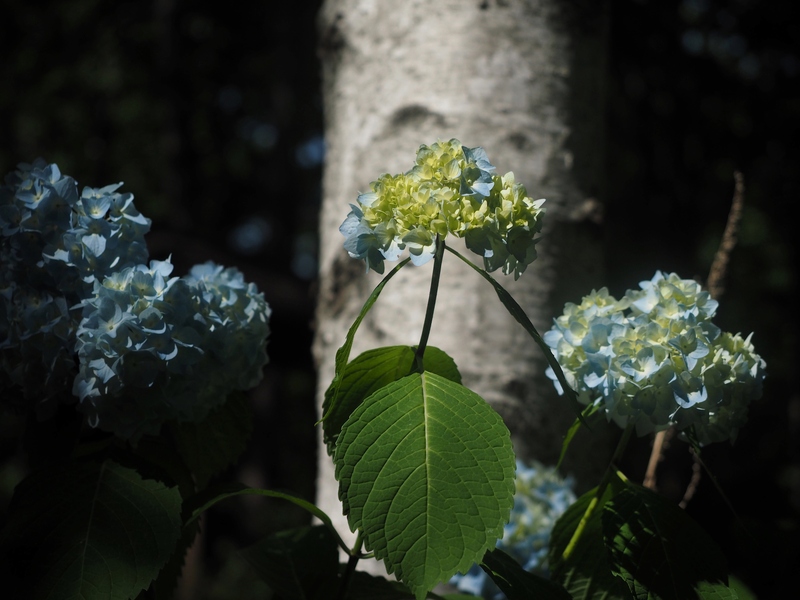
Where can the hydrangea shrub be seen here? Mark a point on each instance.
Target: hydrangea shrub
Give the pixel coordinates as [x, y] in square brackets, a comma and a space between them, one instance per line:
[427, 473]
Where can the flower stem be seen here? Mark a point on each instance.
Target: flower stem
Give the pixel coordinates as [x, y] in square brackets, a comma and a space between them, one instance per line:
[611, 471]
[347, 576]
[426, 327]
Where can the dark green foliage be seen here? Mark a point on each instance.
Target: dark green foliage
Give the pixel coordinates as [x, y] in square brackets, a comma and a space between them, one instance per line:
[89, 530]
[518, 584]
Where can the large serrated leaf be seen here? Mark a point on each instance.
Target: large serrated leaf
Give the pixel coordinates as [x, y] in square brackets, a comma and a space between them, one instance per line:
[426, 473]
[659, 551]
[586, 573]
[369, 372]
[90, 531]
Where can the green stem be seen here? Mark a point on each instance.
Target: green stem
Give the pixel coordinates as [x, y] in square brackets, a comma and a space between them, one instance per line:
[611, 471]
[426, 327]
[355, 556]
[515, 310]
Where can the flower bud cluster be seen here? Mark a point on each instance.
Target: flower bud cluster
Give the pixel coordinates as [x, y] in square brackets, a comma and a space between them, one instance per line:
[55, 244]
[654, 358]
[452, 189]
[154, 348]
[542, 495]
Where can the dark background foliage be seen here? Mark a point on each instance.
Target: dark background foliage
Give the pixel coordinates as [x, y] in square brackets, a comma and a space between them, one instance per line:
[212, 117]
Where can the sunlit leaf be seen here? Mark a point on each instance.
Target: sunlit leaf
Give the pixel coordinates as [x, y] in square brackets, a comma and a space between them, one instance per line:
[426, 472]
[371, 371]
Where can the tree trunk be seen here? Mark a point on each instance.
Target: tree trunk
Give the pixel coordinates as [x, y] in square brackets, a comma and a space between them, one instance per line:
[524, 80]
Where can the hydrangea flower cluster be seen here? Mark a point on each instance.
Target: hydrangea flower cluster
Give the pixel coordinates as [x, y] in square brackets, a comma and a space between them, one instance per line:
[81, 312]
[452, 189]
[154, 348]
[654, 358]
[541, 497]
[55, 244]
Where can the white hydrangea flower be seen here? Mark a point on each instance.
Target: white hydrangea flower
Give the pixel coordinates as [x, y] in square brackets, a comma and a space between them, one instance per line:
[654, 358]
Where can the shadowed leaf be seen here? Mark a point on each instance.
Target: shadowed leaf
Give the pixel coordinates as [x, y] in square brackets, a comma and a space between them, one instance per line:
[90, 531]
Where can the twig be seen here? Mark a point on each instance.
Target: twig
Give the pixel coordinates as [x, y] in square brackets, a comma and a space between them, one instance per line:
[656, 455]
[719, 265]
[694, 482]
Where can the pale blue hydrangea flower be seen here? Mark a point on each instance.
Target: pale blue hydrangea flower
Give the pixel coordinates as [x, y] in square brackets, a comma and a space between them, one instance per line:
[55, 243]
[154, 348]
[655, 358]
[150, 347]
[451, 190]
[540, 498]
[236, 324]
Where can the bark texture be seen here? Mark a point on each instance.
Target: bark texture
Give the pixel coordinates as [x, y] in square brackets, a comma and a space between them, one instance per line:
[521, 78]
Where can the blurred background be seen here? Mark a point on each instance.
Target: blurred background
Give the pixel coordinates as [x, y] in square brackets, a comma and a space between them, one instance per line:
[212, 118]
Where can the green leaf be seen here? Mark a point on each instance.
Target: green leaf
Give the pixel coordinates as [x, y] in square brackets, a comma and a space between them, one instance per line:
[297, 564]
[156, 457]
[200, 503]
[211, 445]
[515, 310]
[371, 371]
[90, 530]
[586, 572]
[369, 587]
[343, 353]
[742, 591]
[658, 550]
[517, 583]
[426, 472]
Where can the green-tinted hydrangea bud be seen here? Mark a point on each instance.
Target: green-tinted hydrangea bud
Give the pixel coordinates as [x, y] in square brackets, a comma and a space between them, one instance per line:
[451, 189]
[655, 359]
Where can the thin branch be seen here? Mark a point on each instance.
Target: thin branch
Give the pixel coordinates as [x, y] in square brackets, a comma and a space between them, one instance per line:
[656, 455]
[719, 265]
[694, 482]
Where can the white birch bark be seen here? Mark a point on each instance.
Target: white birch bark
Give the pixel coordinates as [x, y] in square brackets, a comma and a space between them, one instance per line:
[521, 78]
